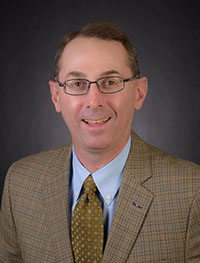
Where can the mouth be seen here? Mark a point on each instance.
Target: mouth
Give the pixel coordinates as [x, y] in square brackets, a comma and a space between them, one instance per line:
[100, 121]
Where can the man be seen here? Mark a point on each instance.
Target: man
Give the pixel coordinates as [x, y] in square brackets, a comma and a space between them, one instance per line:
[150, 200]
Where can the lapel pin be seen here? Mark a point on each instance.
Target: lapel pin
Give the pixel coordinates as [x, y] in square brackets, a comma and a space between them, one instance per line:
[136, 205]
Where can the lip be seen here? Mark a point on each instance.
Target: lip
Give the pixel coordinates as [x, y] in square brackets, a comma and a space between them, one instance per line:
[97, 121]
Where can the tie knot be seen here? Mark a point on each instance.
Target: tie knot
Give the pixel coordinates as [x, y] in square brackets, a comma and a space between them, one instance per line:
[89, 185]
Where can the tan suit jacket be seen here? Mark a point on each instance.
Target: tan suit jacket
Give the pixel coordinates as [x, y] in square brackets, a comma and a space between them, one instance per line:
[157, 215]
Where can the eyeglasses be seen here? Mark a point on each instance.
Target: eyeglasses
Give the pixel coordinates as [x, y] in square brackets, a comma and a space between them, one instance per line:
[107, 85]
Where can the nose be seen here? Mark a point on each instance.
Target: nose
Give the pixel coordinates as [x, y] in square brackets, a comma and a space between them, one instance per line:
[94, 97]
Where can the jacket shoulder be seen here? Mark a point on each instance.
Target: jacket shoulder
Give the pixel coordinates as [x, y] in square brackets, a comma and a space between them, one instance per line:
[45, 157]
[38, 166]
[160, 157]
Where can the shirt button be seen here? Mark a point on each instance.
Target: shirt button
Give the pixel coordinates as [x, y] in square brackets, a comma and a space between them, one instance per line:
[76, 194]
[108, 197]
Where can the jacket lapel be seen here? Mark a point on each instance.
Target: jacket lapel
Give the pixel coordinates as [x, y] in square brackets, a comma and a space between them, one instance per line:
[133, 203]
[57, 205]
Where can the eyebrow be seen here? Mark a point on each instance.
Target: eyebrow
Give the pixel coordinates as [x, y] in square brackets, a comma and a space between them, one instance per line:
[76, 74]
[80, 74]
[110, 72]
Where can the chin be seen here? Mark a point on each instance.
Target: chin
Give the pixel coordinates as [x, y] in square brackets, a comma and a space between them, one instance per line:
[97, 145]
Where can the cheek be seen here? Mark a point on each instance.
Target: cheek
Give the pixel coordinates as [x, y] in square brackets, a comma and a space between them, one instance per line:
[126, 108]
[124, 103]
[70, 107]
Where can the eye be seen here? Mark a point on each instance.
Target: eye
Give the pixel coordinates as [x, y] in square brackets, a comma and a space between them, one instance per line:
[110, 82]
[77, 84]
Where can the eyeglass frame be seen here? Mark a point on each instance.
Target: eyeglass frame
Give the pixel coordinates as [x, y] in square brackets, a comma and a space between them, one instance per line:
[63, 85]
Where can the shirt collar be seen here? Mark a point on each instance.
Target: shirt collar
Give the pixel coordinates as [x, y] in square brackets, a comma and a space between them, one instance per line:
[107, 178]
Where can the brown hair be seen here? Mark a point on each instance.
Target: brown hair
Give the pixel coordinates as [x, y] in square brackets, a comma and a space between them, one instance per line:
[105, 31]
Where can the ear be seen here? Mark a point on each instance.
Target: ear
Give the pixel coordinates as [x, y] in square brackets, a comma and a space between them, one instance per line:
[141, 92]
[55, 95]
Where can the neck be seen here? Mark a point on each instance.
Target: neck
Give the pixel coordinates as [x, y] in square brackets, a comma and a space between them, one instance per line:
[94, 159]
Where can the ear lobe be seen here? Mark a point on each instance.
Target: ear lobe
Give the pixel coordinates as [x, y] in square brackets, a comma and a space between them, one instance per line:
[141, 92]
[55, 95]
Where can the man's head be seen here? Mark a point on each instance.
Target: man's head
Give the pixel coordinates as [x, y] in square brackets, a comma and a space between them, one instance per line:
[98, 122]
[104, 31]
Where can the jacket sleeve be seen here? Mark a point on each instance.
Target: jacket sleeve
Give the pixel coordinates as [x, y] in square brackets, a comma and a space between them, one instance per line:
[9, 249]
[193, 232]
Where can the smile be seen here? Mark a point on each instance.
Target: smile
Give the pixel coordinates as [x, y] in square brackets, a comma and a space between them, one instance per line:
[97, 121]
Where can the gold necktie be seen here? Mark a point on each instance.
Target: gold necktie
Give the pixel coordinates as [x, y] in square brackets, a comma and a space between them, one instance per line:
[87, 230]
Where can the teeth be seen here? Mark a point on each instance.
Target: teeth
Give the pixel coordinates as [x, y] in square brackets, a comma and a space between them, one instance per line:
[97, 121]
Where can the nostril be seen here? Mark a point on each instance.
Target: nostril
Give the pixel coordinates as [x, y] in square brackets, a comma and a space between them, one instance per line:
[100, 106]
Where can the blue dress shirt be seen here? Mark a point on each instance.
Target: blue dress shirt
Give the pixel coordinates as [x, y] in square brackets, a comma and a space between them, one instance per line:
[107, 180]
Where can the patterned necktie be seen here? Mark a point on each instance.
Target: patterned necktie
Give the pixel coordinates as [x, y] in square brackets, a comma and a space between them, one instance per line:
[87, 230]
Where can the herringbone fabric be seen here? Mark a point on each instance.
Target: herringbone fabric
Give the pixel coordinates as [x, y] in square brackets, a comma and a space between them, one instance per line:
[87, 231]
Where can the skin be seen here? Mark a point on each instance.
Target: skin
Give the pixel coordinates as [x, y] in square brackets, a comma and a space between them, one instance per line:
[96, 144]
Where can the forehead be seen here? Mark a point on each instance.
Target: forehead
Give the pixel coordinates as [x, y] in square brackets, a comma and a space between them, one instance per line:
[94, 55]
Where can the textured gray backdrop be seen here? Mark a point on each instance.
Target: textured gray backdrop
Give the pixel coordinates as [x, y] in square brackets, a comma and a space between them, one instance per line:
[167, 37]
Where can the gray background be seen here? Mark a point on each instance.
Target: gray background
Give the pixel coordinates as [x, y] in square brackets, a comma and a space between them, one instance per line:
[167, 37]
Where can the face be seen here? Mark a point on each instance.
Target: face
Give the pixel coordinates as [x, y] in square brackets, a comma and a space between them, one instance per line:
[98, 122]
